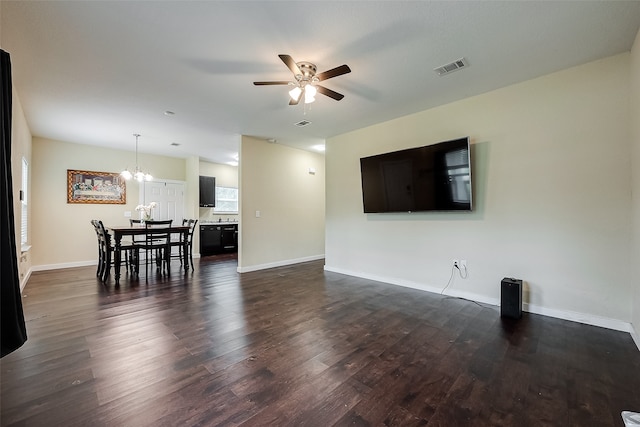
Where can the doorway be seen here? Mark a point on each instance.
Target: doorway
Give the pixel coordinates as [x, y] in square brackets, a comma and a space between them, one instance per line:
[169, 195]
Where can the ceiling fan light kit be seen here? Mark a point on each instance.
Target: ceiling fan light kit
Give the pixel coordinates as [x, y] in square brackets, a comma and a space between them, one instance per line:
[306, 80]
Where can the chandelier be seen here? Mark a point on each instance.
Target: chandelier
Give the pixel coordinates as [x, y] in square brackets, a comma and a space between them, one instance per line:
[137, 174]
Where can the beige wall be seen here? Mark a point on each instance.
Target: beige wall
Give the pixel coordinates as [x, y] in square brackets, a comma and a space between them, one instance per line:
[635, 131]
[20, 148]
[275, 180]
[62, 233]
[552, 185]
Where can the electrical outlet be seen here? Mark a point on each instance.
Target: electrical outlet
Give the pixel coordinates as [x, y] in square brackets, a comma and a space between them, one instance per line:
[456, 263]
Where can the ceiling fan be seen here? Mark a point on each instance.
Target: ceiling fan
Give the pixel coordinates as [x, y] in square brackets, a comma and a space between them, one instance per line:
[306, 80]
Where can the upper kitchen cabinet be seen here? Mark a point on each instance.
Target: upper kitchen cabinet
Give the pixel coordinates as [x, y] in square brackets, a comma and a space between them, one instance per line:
[207, 191]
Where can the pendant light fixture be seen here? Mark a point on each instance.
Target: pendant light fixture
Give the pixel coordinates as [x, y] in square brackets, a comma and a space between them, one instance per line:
[137, 174]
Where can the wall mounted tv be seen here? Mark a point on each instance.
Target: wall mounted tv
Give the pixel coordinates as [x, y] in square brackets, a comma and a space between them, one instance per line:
[435, 177]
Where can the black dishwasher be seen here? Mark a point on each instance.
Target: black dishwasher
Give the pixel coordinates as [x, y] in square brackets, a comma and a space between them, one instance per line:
[210, 239]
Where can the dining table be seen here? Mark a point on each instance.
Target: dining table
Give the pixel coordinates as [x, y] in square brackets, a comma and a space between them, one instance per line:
[119, 231]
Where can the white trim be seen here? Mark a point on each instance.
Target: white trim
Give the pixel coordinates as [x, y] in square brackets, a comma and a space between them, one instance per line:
[635, 336]
[419, 286]
[278, 263]
[25, 279]
[588, 319]
[46, 267]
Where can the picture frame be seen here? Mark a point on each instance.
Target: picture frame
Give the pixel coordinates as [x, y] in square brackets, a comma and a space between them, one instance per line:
[95, 187]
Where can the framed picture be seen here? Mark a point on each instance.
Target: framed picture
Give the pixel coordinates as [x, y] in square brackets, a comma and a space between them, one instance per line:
[95, 187]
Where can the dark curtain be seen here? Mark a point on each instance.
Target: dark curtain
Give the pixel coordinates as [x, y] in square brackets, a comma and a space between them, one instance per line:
[14, 331]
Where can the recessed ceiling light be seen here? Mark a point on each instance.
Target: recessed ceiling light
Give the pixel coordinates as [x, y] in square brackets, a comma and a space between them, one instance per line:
[302, 123]
[169, 113]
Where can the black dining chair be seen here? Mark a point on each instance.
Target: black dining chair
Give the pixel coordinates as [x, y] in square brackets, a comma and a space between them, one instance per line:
[128, 254]
[178, 242]
[101, 249]
[156, 245]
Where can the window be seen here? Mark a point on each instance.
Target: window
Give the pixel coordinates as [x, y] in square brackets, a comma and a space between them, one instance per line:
[226, 200]
[24, 199]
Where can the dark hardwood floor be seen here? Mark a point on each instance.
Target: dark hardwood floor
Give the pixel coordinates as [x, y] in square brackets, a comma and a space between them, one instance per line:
[295, 346]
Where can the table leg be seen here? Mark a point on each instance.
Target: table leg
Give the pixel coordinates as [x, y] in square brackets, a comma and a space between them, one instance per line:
[116, 256]
[185, 251]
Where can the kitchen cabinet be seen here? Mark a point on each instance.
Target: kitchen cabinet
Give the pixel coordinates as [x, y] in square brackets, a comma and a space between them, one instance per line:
[218, 238]
[207, 191]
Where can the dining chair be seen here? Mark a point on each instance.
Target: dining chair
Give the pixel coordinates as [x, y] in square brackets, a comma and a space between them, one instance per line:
[178, 242]
[136, 237]
[101, 253]
[129, 253]
[156, 245]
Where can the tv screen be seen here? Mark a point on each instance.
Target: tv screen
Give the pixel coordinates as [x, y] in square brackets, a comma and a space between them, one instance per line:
[435, 177]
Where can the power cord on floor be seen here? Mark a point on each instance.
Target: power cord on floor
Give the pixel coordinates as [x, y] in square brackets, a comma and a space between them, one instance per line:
[449, 281]
[462, 276]
[455, 267]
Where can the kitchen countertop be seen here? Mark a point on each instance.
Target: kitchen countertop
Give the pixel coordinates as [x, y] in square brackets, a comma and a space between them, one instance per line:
[219, 222]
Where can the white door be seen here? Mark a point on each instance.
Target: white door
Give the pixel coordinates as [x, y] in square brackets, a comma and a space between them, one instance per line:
[169, 197]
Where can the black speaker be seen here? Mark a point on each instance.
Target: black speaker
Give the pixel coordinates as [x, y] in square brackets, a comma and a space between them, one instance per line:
[511, 298]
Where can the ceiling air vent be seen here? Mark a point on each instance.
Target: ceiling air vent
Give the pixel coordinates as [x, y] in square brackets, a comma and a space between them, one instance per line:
[303, 123]
[451, 67]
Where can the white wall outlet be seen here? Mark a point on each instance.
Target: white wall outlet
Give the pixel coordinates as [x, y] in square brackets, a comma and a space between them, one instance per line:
[127, 214]
[258, 213]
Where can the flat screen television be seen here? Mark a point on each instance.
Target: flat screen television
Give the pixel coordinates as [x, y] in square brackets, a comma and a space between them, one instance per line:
[435, 177]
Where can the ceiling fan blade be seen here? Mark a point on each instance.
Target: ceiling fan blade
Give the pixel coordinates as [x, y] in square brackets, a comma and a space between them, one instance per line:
[289, 62]
[334, 72]
[330, 93]
[296, 101]
[270, 83]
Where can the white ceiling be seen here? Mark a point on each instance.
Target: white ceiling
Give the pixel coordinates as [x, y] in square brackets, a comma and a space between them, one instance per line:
[96, 72]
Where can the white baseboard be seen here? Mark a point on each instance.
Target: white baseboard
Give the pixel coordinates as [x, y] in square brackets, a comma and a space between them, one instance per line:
[278, 263]
[587, 319]
[419, 286]
[635, 336]
[45, 267]
[25, 279]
